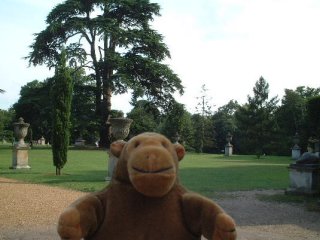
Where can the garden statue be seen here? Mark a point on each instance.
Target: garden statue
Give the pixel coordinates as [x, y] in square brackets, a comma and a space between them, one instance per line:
[20, 155]
[21, 131]
[296, 150]
[304, 174]
[120, 128]
[308, 158]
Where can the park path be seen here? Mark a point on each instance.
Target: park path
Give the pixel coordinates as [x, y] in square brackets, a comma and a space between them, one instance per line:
[30, 211]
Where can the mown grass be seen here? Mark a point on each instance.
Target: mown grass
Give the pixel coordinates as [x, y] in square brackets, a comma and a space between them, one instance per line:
[84, 171]
[207, 172]
[203, 173]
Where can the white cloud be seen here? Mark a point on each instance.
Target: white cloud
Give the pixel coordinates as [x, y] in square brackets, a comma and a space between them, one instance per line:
[244, 40]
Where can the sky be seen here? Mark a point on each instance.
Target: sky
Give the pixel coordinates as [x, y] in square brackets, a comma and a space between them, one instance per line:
[225, 45]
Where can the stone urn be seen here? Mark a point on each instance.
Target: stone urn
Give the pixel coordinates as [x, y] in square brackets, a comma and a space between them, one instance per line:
[120, 128]
[229, 138]
[296, 140]
[20, 131]
[296, 150]
[20, 155]
[176, 138]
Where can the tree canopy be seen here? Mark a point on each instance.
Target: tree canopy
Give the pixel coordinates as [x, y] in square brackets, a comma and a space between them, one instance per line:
[255, 120]
[145, 116]
[35, 107]
[115, 41]
[224, 123]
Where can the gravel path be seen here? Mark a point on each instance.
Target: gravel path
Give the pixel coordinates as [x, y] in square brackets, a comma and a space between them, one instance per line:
[260, 220]
[29, 211]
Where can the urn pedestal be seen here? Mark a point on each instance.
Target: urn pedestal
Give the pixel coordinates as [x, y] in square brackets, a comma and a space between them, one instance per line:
[228, 149]
[120, 128]
[295, 152]
[20, 151]
[304, 179]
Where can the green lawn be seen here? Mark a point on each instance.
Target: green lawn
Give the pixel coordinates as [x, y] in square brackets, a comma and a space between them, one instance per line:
[207, 173]
[204, 173]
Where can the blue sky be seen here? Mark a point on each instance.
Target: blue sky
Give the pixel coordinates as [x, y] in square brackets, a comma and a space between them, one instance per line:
[225, 44]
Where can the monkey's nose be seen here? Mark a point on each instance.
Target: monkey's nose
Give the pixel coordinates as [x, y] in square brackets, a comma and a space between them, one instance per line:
[151, 156]
[152, 162]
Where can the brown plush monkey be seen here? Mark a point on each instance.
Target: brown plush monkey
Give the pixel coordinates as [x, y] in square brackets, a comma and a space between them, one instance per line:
[145, 200]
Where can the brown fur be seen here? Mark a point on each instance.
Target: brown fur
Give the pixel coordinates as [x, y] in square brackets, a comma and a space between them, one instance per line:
[145, 200]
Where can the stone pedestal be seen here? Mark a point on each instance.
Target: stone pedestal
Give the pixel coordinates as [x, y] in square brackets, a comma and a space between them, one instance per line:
[112, 162]
[317, 149]
[295, 153]
[120, 128]
[20, 154]
[228, 147]
[42, 141]
[228, 150]
[304, 179]
[20, 157]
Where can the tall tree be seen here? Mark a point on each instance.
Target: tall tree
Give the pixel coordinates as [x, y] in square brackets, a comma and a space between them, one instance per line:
[35, 107]
[292, 117]
[145, 116]
[256, 122]
[123, 50]
[177, 125]
[83, 119]
[224, 123]
[293, 108]
[61, 99]
[6, 120]
[307, 92]
[202, 121]
[313, 109]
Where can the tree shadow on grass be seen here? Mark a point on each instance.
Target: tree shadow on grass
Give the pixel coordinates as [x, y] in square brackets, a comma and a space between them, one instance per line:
[86, 181]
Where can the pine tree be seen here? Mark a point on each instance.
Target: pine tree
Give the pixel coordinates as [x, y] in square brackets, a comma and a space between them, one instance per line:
[202, 121]
[255, 120]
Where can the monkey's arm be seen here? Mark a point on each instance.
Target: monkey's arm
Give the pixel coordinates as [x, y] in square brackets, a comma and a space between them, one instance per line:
[204, 217]
[81, 218]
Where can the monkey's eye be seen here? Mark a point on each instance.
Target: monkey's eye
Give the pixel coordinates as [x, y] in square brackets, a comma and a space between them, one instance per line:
[164, 144]
[136, 144]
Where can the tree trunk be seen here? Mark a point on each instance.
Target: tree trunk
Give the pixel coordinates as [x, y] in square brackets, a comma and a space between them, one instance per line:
[105, 133]
[100, 77]
[98, 95]
[58, 171]
[107, 72]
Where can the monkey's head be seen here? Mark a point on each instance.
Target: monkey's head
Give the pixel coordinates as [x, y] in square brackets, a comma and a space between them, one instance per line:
[149, 161]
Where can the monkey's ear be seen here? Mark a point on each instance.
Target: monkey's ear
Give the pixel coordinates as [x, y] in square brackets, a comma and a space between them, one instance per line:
[179, 150]
[116, 147]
